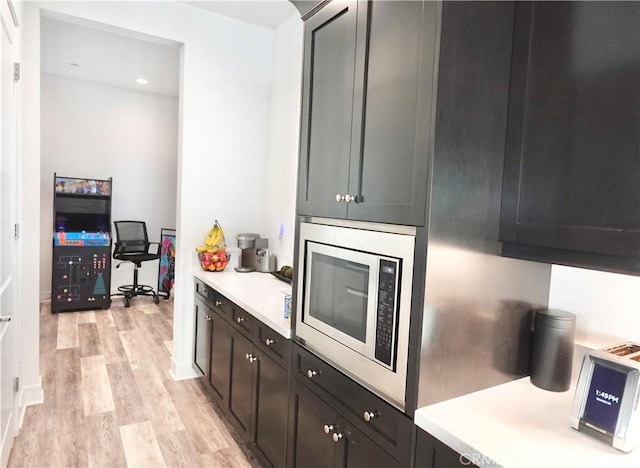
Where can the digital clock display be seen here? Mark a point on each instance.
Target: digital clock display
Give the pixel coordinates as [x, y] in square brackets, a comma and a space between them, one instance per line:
[605, 396]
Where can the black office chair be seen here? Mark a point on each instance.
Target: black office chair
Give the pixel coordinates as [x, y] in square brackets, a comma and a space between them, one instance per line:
[132, 245]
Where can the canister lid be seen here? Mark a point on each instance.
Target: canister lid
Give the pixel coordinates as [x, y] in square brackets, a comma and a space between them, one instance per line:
[555, 318]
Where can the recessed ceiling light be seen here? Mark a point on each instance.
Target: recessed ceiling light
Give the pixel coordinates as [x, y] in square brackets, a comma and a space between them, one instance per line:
[142, 81]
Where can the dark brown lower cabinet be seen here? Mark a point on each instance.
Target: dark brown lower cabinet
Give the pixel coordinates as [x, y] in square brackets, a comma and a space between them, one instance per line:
[431, 453]
[245, 365]
[201, 354]
[310, 443]
[257, 395]
[221, 369]
[270, 414]
[356, 450]
[258, 400]
[321, 437]
[240, 389]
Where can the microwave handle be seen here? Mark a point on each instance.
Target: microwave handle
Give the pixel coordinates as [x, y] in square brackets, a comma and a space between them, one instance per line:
[355, 292]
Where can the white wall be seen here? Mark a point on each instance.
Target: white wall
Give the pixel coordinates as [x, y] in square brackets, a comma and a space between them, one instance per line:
[28, 91]
[284, 129]
[98, 131]
[607, 305]
[225, 89]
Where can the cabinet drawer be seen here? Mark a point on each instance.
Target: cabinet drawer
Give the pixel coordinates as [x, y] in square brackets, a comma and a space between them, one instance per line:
[223, 305]
[242, 320]
[205, 292]
[273, 344]
[380, 421]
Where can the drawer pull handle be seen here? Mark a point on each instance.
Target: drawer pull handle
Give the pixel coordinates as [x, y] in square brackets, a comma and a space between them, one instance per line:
[241, 319]
[369, 415]
[337, 436]
[328, 428]
[311, 373]
[269, 342]
[206, 317]
[218, 303]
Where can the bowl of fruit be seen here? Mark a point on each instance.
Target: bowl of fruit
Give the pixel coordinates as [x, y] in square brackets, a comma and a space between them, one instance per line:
[213, 253]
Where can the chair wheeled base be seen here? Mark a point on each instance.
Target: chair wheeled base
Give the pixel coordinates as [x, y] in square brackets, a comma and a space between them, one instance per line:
[130, 291]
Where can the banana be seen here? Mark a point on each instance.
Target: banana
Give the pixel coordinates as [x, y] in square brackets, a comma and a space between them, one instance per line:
[215, 236]
[214, 240]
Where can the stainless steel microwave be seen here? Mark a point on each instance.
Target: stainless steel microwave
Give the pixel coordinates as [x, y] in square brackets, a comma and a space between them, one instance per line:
[354, 300]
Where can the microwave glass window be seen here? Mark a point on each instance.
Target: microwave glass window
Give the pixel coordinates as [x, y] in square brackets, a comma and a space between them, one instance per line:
[338, 294]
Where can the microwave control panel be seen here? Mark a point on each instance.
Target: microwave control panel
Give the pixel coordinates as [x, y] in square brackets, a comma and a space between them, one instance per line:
[386, 312]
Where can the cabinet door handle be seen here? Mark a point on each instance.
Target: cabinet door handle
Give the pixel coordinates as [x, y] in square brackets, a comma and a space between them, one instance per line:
[328, 428]
[5, 318]
[241, 319]
[337, 436]
[311, 373]
[208, 318]
[269, 342]
[218, 303]
[348, 198]
[340, 198]
[251, 357]
[369, 415]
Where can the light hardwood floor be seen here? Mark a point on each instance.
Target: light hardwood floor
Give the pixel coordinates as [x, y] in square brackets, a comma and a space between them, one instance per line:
[110, 401]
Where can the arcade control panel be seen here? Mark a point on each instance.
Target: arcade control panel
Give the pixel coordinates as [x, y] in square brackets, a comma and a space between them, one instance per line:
[80, 278]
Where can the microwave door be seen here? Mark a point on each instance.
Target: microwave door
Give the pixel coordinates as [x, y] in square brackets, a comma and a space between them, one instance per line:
[339, 295]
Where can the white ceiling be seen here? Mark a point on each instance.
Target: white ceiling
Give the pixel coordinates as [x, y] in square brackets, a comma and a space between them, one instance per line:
[267, 13]
[117, 58]
[108, 58]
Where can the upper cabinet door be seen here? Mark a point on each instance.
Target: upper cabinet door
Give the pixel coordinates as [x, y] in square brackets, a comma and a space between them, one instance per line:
[572, 171]
[366, 111]
[327, 108]
[392, 112]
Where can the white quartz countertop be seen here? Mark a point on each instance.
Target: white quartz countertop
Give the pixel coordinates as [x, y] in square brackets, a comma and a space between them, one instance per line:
[260, 294]
[518, 425]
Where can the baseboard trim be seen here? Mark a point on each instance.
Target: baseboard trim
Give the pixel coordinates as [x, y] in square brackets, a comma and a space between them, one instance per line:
[182, 370]
[29, 395]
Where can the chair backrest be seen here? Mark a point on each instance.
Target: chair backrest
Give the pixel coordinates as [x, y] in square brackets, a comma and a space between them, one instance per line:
[131, 237]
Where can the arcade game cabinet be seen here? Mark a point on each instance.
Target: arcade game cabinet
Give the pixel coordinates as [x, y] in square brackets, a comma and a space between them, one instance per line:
[81, 267]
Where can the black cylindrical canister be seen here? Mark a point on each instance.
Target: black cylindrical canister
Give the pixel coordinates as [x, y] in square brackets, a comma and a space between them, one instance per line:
[552, 349]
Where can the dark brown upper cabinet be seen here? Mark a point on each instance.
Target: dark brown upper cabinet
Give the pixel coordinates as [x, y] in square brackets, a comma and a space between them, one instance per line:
[571, 190]
[366, 111]
[307, 7]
